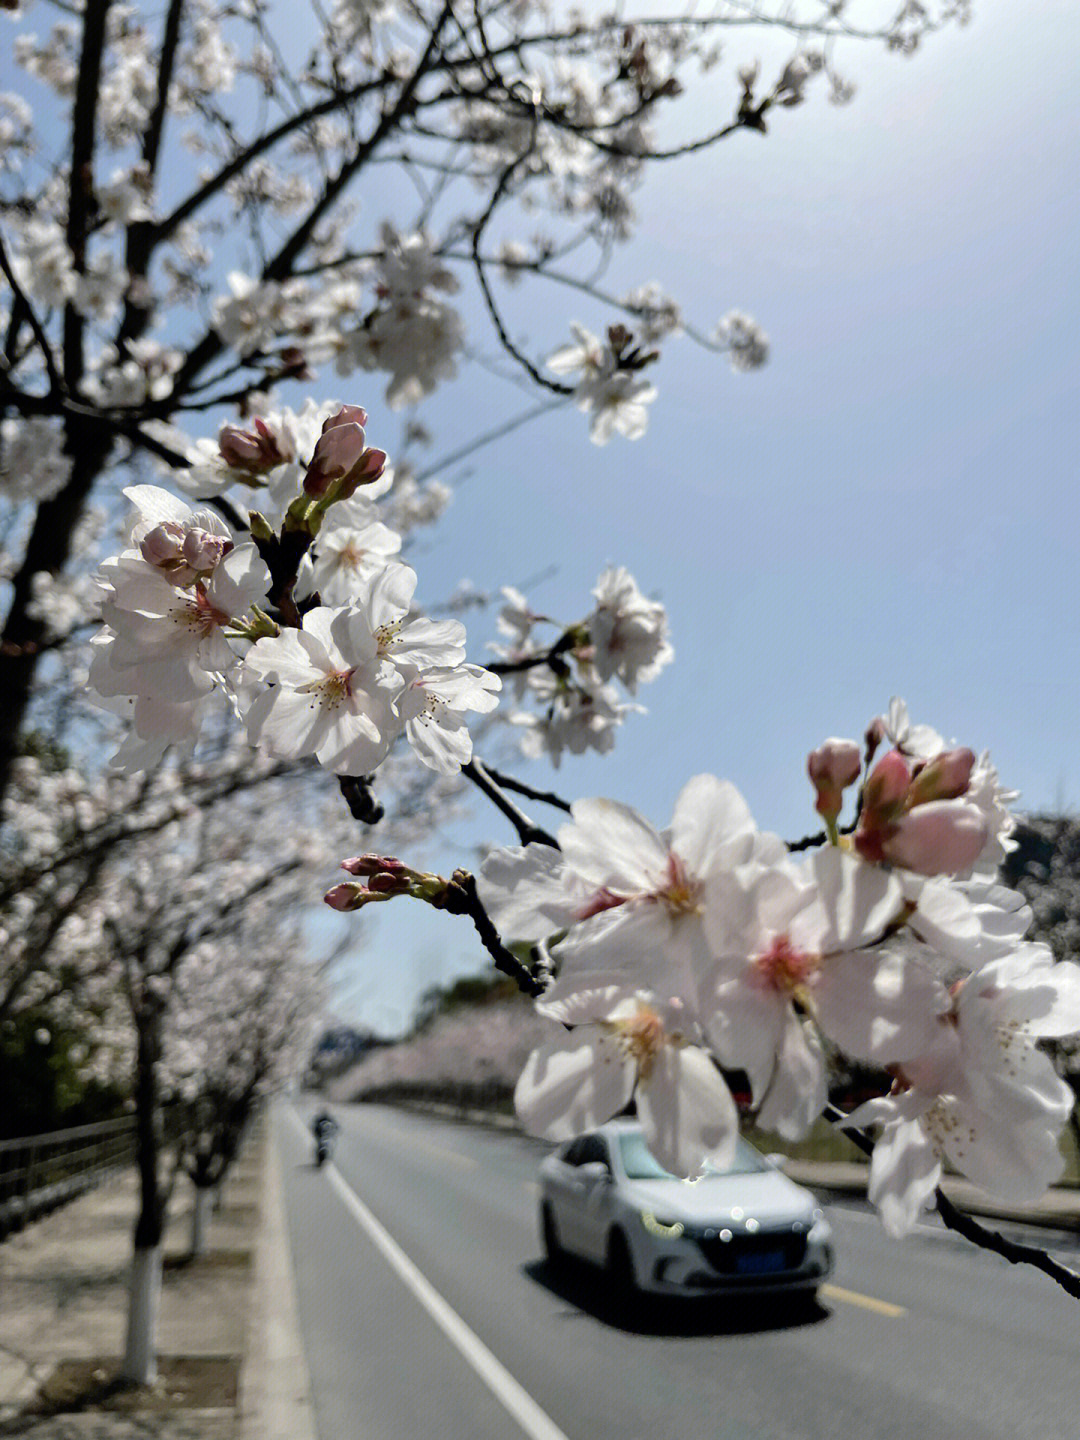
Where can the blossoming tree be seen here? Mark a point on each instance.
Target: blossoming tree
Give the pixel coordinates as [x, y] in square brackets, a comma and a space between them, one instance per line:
[199, 239]
[661, 959]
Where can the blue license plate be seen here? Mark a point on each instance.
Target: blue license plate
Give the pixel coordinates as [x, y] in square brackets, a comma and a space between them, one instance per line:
[764, 1262]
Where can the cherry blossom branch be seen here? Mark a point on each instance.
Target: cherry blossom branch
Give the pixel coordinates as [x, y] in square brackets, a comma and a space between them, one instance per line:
[527, 831]
[534, 373]
[545, 797]
[56, 384]
[463, 452]
[141, 234]
[970, 1229]
[551, 656]
[280, 266]
[81, 179]
[461, 898]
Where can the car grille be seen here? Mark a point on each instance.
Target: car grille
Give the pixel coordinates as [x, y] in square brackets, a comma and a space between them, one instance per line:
[763, 1253]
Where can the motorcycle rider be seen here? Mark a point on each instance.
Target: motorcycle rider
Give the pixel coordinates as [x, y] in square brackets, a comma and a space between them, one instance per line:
[324, 1127]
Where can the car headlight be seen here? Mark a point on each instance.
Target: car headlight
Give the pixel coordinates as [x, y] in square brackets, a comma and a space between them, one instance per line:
[659, 1228]
[820, 1230]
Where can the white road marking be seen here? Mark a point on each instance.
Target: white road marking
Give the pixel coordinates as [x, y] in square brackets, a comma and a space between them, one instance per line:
[518, 1403]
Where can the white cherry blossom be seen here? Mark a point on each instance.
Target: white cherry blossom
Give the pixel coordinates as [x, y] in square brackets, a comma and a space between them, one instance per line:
[635, 900]
[352, 548]
[801, 933]
[329, 692]
[626, 1044]
[433, 706]
[981, 1094]
[628, 631]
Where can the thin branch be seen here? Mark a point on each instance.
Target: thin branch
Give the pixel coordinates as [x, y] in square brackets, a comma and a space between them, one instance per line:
[81, 174]
[545, 797]
[970, 1229]
[462, 899]
[528, 833]
[56, 384]
[488, 438]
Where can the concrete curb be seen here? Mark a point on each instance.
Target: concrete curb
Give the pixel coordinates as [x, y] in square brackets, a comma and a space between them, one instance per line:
[275, 1386]
[1059, 1209]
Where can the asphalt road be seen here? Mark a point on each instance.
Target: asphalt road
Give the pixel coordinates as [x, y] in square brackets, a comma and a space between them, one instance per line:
[428, 1314]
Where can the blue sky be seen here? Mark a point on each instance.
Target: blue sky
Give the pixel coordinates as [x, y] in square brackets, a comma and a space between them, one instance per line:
[888, 508]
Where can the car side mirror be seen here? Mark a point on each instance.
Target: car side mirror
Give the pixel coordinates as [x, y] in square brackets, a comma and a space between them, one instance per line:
[594, 1170]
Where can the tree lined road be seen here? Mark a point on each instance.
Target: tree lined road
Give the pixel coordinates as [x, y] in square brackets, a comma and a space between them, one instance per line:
[427, 1313]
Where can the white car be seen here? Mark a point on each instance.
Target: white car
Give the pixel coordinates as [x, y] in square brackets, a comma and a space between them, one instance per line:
[746, 1230]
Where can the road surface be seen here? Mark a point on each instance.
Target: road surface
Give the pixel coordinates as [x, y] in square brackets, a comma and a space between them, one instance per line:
[428, 1314]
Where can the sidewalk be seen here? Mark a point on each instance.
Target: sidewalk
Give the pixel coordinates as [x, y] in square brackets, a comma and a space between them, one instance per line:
[63, 1289]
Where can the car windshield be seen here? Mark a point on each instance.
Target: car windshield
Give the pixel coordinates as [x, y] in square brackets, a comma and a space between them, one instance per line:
[639, 1164]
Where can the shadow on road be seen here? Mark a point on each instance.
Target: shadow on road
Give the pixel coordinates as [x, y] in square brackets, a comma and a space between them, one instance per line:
[588, 1288]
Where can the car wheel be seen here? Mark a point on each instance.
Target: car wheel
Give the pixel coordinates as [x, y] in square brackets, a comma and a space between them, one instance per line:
[620, 1266]
[554, 1253]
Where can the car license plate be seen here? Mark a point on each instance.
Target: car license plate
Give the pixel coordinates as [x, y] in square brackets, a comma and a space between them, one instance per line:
[761, 1263]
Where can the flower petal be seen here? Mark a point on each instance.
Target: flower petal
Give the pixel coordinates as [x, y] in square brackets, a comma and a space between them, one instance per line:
[573, 1083]
[686, 1111]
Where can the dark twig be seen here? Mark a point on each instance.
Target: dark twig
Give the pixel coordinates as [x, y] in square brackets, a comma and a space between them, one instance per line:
[970, 1229]
[528, 833]
[462, 899]
[360, 798]
[56, 384]
[545, 797]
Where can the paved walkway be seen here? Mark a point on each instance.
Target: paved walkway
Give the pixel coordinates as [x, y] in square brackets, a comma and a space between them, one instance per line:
[63, 1289]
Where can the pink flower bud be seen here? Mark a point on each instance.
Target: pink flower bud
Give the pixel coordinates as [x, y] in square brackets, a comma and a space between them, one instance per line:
[342, 456]
[339, 449]
[163, 545]
[942, 837]
[253, 451]
[346, 896]
[371, 864]
[875, 734]
[347, 415]
[202, 551]
[946, 777]
[385, 884]
[832, 768]
[886, 788]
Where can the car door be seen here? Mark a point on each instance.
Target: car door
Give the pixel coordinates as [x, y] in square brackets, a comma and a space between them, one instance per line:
[564, 1193]
[596, 1193]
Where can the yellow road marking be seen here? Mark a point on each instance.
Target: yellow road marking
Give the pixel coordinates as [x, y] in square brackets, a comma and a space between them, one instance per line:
[866, 1302]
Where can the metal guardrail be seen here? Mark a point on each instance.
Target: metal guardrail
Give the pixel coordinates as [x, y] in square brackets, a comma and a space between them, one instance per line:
[38, 1173]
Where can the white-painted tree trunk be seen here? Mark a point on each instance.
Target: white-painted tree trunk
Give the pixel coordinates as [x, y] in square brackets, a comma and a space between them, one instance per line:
[219, 1196]
[144, 1302]
[200, 1214]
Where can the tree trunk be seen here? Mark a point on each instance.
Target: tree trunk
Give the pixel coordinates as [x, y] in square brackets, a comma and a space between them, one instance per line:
[200, 1214]
[140, 1351]
[144, 1303]
[47, 549]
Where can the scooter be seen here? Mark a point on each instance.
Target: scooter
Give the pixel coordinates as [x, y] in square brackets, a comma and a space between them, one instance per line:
[324, 1149]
